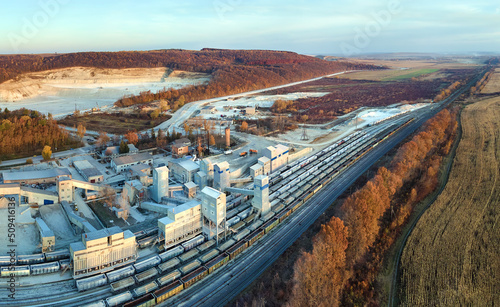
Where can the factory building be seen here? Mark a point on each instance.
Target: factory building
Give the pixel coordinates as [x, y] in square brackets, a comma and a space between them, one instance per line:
[278, 155]
[249, 110]
[200, 178]
[160, 183]
[183, 170]
[89, 172]
[102, 250]
[181, 223]
[266, 165]
[141, 172]
[221, 176]
[47, 237]
[256, 170]
[134, 191]
[190, 189]
[180, 147]
[213, 205]
[123, 163]
[261, 194]
[31, 177]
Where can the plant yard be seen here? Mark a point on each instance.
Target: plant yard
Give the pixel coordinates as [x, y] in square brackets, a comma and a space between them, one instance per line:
[452, 257]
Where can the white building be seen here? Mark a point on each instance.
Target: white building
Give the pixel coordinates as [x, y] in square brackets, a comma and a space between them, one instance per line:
[256, 170]
[266, 165]
[221, 176]
[160, 183]
[278, 156]
[102, 250]
[123, 163]
[214, 211]
[261, 194]
[89, 172]
[181, 223]
[183, 170]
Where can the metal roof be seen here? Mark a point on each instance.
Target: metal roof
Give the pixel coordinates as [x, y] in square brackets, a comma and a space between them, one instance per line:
[31, 175]
[44, 229]
[102, 233]
[190, 185]
[211, 192]
[140, 157]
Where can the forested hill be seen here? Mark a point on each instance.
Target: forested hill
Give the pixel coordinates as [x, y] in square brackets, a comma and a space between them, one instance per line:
[233, 71]
[205, 60]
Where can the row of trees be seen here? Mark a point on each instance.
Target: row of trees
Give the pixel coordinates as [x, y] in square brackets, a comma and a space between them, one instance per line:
[25, 132]
[347, 253]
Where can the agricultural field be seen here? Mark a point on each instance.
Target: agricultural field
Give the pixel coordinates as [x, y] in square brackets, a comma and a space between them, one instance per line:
[452, 258]
[493, 86]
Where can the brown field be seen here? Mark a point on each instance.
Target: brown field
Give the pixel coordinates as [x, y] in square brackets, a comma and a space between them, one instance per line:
[493, 86]
[452, 258]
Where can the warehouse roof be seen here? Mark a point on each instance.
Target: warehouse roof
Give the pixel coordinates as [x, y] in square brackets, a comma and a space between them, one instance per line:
[102, 233]
[256, 167]
[140, 157]
[211, 192]
[190, 185]
[31, 175]
[263, 160]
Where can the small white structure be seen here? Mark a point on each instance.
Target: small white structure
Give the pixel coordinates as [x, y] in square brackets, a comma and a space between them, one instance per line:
[261, 194]
[46, 235]
[89, 172]
[277, 155]
[256, 170]
[266, 165]
[160, 183]
[221, 176]
[123, 163]
[200, 178]
[190, 189]
[183, 170]
[181, 223]
[249, 110]
[214, 212]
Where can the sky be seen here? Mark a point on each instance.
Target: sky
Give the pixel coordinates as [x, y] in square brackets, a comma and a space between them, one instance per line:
[328, 27]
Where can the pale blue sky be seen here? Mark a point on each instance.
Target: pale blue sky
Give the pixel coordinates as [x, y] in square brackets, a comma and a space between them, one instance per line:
[310, 27]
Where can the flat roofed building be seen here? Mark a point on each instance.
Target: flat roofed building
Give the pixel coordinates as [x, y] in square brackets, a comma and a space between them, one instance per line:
[221, 176]
[102, 250]
[214, 211]
[47, 237]
[256, 170]
[278, 155]
[190, 189]
[30, 177]
[89, 172]
[181, 223]
[183, 170]
[266, 164]
[123, 163]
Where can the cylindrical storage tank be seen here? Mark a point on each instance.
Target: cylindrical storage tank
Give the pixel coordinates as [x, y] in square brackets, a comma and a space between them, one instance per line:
[170, 277]
[120, 273]
[119, 299]
[140, 291]
[228, 137]
[45, 268]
